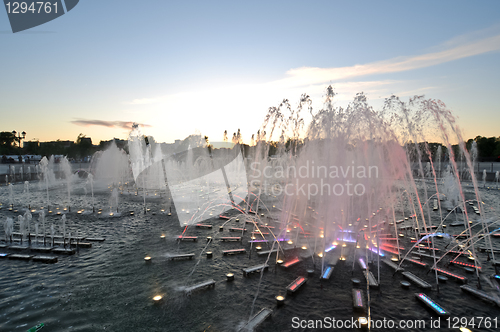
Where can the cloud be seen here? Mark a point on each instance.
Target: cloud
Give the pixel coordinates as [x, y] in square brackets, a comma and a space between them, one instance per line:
[312, 80]
[313, 75]
[109, 124]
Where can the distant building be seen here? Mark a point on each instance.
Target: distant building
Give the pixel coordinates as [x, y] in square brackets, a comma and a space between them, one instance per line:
[86, 140]
[120, 143]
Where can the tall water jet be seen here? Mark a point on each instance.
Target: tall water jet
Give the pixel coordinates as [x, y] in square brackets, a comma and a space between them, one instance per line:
[113, 201]
[110, 167]
[63, 228]
[47, 175]
[27, 192]
[8, 227]
[91, 181]
[11, 196]
[22, 227]
[41, 219]
[66, 167]
[27, 219]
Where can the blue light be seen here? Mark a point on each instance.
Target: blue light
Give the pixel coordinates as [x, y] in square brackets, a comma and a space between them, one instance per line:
[325, 274]
[377, 252]
[331, 248]
[497, 276]
[432, 304]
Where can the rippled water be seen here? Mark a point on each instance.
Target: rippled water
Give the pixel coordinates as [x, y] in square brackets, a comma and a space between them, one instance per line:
[110, 287]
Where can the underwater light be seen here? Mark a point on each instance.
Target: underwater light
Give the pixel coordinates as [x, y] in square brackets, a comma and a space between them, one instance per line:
[304, 248]
[464, 329]
[433, 305]
[394, 259]
[363, 320]
[157, 298]
[162, 236]
[280, 300]
[330, 248]
[147, 258]
[230, 276]
[290, 242]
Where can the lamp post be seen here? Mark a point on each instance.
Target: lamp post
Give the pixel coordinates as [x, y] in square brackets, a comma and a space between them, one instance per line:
[19, 138]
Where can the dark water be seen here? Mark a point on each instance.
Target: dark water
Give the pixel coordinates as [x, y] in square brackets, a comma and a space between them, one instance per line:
[110, 287]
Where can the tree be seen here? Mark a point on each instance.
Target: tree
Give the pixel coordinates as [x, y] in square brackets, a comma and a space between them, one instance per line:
[7, 139]
[83, 146]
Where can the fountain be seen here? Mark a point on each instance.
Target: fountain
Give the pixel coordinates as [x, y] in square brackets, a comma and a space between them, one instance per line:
[331, 199]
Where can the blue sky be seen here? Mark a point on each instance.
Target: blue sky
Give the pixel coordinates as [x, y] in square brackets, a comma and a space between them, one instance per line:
[186, 67]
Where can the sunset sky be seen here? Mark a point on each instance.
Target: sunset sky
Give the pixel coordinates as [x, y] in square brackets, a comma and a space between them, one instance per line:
[184, 67]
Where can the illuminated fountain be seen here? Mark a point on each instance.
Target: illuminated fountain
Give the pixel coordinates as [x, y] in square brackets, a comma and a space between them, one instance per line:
[345, 192]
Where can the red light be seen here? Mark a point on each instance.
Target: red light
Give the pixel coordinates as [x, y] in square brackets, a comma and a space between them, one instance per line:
[293, 261]
[465, 264]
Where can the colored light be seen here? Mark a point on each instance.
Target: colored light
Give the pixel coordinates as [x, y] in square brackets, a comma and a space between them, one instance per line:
[293, 261]
[431, 303]
[416, 262]
[378, 252]
[449, 274]
[326, 272]
[465, 264]
[362, 263]
[330, 248]
[359, 300]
